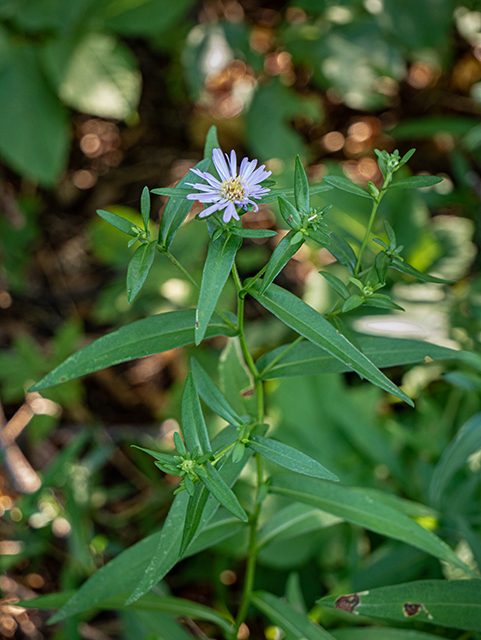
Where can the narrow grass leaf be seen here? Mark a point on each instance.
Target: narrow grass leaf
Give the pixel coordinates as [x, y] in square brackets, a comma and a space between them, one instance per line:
[346, 185]
[220, 257]
[213, 396]
[289, 458]
[298, 315]
[464, 443]
[193, 423]
[282, 614]
[139, 268]
[178, 206]
[455, 603]
[415, 182]
[156, 334]
[364, 511]
[306, 358]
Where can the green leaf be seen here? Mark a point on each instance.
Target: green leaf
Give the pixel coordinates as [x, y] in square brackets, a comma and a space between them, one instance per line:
[381, 633]
[352, 302]
[294, 520]
[211, 143]
[213, 396]
[146, 18]
[415, 182]
[156, 334]
[145, 207]
[346, 185]
[102, 78]
[337, 284]
[221, 492]
[33, 141]
[165, 458]
[456, 603]
[125, 571]
[178, 206]
[290, 458]
[220, 257]
[298, 315]
[342, 251]
[285, 616]
[119, 223]
[406, 268]
[301, 188]
[279, 258]
[290, 214]
[48, 600]
[464, 443]
[195, 509]
[193, 423]
[168, 550]
[365, 512]
[308, 359]
[139, 268]
[252, 233]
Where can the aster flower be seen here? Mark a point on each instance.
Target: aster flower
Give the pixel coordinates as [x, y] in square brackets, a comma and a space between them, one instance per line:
[232, 189]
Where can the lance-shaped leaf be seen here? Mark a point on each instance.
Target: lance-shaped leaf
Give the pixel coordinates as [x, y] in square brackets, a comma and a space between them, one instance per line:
[342, 251]
[301, 188]
[220, 257]
[275, 192]
[252, 233]
[366, 512]
[193, 423]
[280, 257]
[168, 550]
[178, 206]
[119, 223]
[298, 315]
[127, 569]
[139, 268]
[381, 633]
[145, 207]
[455, 603]
[406, 268]
[346, 185]
[193, 517]
[156, 334]
[290, 214]
[282, 614]
[415, 182]
[221, 492]
[213, 396]
[289, 458]
[294, 520]
[337, 284]
[165, 458]
[306, 358]
[464, 443]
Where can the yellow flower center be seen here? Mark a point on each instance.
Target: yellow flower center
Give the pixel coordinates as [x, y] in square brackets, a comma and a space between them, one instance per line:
[232, 189]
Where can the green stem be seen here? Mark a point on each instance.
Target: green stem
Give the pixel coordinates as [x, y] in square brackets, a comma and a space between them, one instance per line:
[258, 275]
[252, 553]
[176, 263]
[254, 519]
[375, 205]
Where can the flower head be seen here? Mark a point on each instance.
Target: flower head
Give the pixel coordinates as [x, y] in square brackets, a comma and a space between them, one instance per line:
[233, 188]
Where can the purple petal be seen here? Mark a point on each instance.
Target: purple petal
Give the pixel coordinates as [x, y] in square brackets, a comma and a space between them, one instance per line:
[220, 164]
[233, 163]
[215, 207]
[230, 212]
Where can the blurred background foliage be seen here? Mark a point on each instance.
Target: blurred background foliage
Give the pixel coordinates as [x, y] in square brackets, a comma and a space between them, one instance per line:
[98, 99]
